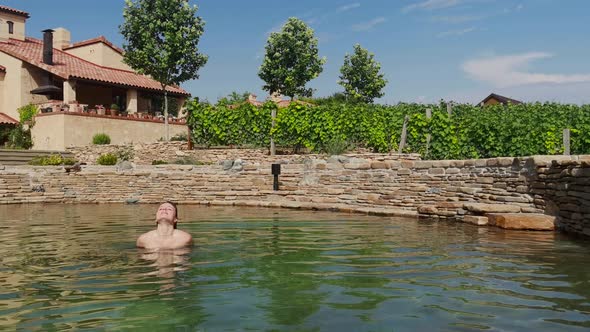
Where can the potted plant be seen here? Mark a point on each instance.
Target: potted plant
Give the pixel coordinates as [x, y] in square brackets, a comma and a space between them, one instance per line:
[114, 109]
[100, 110]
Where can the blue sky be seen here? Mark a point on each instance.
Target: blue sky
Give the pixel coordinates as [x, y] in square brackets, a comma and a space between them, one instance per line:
[462, 50]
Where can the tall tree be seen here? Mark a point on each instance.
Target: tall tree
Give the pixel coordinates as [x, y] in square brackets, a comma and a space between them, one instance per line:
[360, 76]
[161, 39]
[291, 60]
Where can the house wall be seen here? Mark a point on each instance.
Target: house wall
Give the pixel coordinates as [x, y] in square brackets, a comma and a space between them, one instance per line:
[58, 131]
[31, 78]
[100, 54]
[492, 101]
[11, 86]
[19, 25]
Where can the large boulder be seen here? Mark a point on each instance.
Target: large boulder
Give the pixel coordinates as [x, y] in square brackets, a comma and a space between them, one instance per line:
[528, 221]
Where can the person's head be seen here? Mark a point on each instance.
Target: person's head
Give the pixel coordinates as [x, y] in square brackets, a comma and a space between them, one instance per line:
[167, 212]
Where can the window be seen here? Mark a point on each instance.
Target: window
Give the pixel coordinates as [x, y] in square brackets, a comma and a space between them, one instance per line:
[10, 27]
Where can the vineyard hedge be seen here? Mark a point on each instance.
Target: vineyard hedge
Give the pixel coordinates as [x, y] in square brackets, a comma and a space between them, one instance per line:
[469, 132]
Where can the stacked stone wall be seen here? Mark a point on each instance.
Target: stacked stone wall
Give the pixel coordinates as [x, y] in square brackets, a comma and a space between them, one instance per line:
[466, 190]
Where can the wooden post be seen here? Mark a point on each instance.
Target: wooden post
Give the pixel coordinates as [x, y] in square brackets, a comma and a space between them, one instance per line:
[273, 150]
[566, 142]
[428, 136]
[449, 108]
[188, 138]
[402, 141]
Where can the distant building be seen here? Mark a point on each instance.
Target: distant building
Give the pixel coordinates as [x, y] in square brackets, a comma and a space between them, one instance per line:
[276, 98]
[494, 99]
[70, 82]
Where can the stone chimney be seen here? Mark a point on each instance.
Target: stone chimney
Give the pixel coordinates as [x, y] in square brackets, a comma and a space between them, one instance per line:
[3, 31]
[61, 38]
[48, 47]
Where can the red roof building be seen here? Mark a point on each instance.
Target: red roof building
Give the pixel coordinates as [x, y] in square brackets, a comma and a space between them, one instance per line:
[55, 73]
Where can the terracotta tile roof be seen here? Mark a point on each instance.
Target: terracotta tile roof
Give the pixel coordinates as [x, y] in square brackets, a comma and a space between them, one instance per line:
[69, 66]
[5, 119]
[99, 39]
[14, 11]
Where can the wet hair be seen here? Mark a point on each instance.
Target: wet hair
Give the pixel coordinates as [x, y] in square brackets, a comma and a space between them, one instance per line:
[175, 211]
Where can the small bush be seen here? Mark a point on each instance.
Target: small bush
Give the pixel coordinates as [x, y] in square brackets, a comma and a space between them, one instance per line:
[27, 113]
[19, 138]
[52, 160]
[107, 159]
[115, 107]
[336, 146]
[101, 139]
[179, 138]
[125, 153]
[159, 162]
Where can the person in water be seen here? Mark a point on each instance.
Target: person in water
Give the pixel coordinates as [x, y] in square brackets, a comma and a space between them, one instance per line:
[165, 236]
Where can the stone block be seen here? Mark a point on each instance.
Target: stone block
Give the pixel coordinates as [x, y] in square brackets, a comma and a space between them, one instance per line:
[453, 170]
[523, 221]
[476, 220]
[436, 171]
[404, 171]
[379, 165]
[427, 209]
[422, 164]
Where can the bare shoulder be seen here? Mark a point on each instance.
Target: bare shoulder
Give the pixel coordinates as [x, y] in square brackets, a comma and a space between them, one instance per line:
[183, 237]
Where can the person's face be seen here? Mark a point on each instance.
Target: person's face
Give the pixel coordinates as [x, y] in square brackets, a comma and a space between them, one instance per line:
[166, 211]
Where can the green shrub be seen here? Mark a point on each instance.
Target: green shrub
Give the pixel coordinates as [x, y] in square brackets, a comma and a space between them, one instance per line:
[27, 113]
[115, 107]
[107, 159]
[159, 162]
[125, 153]
[101, 139]
[336, 146]
[19, 138]
[179, 138]
[52, 160]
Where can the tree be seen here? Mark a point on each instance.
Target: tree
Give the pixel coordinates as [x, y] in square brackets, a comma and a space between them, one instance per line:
[291, 60]
[161, 41]
[360, 76]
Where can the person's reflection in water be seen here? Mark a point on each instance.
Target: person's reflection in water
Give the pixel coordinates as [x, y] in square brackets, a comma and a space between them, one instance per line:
[167, 262]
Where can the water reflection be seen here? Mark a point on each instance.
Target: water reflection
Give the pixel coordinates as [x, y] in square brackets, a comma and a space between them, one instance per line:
[76, 267]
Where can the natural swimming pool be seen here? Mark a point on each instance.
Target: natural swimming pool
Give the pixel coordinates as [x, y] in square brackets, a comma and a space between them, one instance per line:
[75, 267]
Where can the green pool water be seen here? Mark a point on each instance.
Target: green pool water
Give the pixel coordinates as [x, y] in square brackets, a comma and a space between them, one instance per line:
[75, 267]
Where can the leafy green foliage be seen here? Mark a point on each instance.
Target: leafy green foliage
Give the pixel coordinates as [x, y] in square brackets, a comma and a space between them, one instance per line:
[159, 162]
[471, 131]
[360, 76]
[291, 60]
[19, 138]
[52, 160]
[27, 113]
[107, 159]
[101, 139]
[161, 40]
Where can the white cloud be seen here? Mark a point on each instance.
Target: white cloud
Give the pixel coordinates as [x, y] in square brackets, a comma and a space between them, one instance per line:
[455, 32]
[511, 70]
[349, 7]
[431, 4]
[368, 25]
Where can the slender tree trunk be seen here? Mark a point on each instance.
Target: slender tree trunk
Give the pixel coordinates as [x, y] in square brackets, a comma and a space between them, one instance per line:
[166, 114]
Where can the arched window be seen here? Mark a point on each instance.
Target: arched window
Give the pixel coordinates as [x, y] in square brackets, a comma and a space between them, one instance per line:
[10, 27]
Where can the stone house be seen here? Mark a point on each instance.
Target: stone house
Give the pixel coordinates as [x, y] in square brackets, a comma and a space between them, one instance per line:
[74, 84]
[494, 99]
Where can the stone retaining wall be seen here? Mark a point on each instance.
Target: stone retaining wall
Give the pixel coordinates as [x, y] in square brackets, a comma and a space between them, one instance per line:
[145, 153]
[465, 190]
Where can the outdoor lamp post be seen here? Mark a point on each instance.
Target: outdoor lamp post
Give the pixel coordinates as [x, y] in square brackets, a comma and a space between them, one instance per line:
[275, 170]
